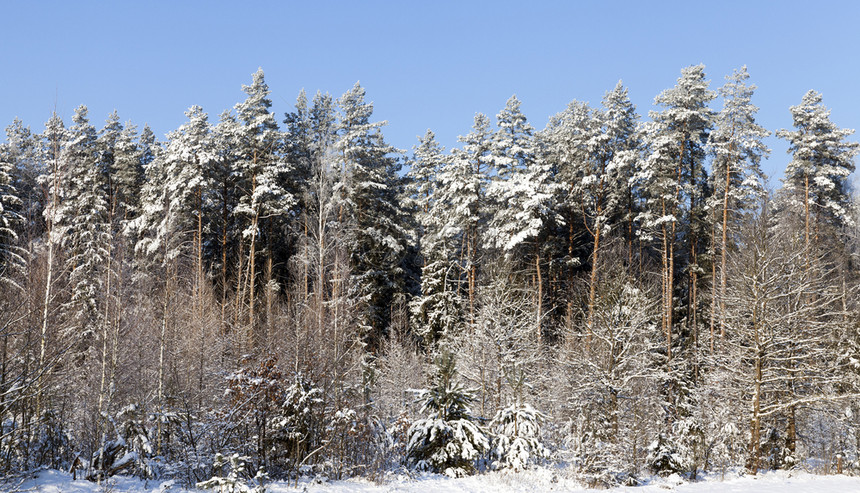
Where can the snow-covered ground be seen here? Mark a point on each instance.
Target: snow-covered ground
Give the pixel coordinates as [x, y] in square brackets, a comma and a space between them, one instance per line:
[532, 481]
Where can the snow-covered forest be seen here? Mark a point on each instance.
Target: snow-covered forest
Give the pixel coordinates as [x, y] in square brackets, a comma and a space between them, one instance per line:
[260, 296]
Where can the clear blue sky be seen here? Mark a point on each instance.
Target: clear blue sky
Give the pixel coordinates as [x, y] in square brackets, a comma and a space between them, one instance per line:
[431, 64]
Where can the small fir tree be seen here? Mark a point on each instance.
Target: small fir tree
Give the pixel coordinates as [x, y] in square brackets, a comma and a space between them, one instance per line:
[448, 440]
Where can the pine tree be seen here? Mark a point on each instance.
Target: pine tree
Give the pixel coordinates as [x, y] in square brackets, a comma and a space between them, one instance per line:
[298, 145]
[106, 156]
[24, 151]
[624, 142]
[672, 181]
[596, 152]
[11, 259]
[436, 310]
[521, 194]
[462, 202]
[738, 181]
[226, 226]
[815, 183]
[264, 203]
[128, 173]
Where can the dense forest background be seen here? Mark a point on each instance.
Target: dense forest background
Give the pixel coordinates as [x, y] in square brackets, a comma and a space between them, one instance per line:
[287, 295]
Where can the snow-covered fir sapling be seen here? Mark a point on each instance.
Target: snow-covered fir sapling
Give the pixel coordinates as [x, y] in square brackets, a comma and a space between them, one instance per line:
[448, 440]
[517, 443]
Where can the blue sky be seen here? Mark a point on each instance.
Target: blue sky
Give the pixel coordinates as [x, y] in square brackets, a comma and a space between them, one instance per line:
[424, 65]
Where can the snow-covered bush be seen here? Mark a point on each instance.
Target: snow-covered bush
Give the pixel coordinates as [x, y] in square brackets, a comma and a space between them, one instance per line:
[134, 433]
[294, 423]
[234, 481]
[664, 457]
[52, 445]
[448, 441]
[130, 451]
[679, 451]
[278, 421]
[358, 444]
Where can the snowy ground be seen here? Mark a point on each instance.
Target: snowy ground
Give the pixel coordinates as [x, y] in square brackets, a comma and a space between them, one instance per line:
[534, 481]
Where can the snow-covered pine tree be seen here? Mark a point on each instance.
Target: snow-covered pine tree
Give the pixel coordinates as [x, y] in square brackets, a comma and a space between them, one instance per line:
[596, 155]
[149, 146]
[128, 165]
[173, 191]
[448, 440]
[264, 202]
[149, 193]
[462, 206]
[106, 155]
[188, 157]
[18, 378]
[369, 213]
[816, 180]
[566, 138]
[672, 181]
[737, 179]
[225, 225]
[521, 194]
[429, 158]
[298, 143]
[298, 135]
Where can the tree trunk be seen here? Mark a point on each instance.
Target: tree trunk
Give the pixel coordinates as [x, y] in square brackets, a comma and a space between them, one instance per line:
[714, 293]
[723, 244]
[539, 315]
[592, 288]
[252, 256]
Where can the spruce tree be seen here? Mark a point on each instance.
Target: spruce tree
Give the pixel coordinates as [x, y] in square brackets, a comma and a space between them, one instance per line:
[448, 440]
[369, 213]
[436, 310]
[83, 214]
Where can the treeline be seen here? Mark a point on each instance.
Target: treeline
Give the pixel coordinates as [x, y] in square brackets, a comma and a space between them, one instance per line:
[256, 295]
